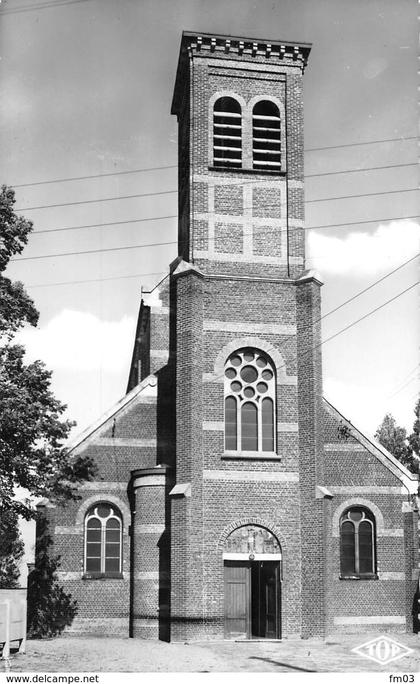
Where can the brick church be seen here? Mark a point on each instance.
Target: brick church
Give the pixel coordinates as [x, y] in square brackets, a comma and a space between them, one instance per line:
[232, 500]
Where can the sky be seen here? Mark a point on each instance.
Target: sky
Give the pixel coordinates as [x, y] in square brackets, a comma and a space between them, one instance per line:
[86, 94]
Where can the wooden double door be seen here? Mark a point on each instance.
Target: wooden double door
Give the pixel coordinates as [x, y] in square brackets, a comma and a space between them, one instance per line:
[252, 599]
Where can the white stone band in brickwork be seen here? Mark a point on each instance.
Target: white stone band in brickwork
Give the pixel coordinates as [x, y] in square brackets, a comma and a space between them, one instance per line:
[219, 426]
[239, 257]
[395, 532]
[123, 442]
[250, 476]
[370, 620]
[366, 489]
[344, 447]
[149, 529]
[244, 327]
[146, 575]
[104, 487]
[61, 529]
[391, 575]
[68, 576]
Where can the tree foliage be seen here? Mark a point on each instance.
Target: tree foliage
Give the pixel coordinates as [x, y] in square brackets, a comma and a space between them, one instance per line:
[32, 430]
[50, 608]
[395, 439]
[11, 549]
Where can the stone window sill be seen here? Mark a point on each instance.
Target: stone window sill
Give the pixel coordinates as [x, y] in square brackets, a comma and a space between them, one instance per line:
[260, 172]
[372, 576]
[251, 455]
[102, 576]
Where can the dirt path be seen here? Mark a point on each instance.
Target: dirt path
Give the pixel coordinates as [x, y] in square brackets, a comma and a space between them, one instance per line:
[91, 654]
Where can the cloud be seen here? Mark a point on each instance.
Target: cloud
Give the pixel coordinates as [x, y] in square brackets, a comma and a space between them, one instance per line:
[77, 341]
[364, 253]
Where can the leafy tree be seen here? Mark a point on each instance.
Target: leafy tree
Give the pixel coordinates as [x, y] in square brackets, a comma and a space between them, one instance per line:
[395, 439]
[50, 608]
[32, 432]
[414, 438]
[11, 549]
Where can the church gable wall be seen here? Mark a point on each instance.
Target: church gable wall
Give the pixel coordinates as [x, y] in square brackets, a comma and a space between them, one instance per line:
[356, 478]
[126, 441]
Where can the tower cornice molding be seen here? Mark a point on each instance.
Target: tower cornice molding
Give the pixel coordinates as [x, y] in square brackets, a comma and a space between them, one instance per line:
[239, 45]
[275, 52]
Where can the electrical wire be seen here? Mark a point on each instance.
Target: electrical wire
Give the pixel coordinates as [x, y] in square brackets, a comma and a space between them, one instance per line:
[171, 192]
[101, 199]
[129, 247]
[174, 216]
[362, 318]
[174, 166]
[366, 289]
[40, 6]
[97, 280]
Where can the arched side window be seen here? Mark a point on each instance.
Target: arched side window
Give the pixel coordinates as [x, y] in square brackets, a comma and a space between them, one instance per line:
[103, 541]
[250, 390]
[227, 133]
[357, 543]
[266, 146]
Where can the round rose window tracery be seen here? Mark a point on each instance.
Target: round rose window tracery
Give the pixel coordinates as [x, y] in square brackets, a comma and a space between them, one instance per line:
[249, 402]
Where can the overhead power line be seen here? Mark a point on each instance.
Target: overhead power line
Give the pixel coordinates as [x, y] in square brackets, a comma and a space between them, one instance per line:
[95, 251]
[370, 168]
[100, 199]
[96, 175]
[366, 289]
[97, 280]
[138, 275]
[171, 192]
[174, 216]
[366, 194]
[114, 249]
[362, 318]
[40, 6]
[174, 166]
[358, 144]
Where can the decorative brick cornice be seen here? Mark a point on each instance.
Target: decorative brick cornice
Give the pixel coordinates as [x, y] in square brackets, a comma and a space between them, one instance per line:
[270, 49]
[198, 45]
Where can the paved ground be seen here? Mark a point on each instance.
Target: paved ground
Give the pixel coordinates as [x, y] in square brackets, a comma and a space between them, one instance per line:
[91, 654]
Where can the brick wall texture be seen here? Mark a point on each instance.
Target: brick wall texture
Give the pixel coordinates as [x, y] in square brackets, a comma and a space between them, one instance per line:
[239, 283]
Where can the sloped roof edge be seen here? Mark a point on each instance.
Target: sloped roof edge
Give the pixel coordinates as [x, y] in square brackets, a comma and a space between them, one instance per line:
[150, 381]
[408, 479]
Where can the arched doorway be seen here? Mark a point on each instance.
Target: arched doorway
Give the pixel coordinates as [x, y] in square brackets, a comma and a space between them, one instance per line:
[252, 573]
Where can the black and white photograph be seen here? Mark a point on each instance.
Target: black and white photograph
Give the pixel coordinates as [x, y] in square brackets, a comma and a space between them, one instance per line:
[209, 339]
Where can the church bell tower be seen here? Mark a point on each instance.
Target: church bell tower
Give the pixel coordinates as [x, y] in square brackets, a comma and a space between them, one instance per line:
[245, 345]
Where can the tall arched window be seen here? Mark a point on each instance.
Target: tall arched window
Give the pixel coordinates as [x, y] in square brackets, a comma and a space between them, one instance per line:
[227, 133]
[250, 387]
[357, 543]
[103, 540]
[266, 152]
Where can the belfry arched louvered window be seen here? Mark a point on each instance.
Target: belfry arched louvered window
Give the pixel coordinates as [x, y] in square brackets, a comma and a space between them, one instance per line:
[250, 414]
[227, 133]
[266, 146]
[357, 543]
[103, 540]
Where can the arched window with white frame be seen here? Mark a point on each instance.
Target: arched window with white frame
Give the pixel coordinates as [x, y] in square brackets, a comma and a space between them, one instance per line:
[227, 133]
[357, 543]
[103, 541]
[250, 406]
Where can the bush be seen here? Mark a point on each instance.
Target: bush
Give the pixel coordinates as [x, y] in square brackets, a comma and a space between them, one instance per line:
[50, 608]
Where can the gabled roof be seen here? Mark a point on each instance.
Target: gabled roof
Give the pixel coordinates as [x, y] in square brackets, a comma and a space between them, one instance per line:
[407, 478]
[146, 389]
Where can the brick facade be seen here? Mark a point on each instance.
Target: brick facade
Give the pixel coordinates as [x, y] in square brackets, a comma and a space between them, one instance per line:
[239, 283]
